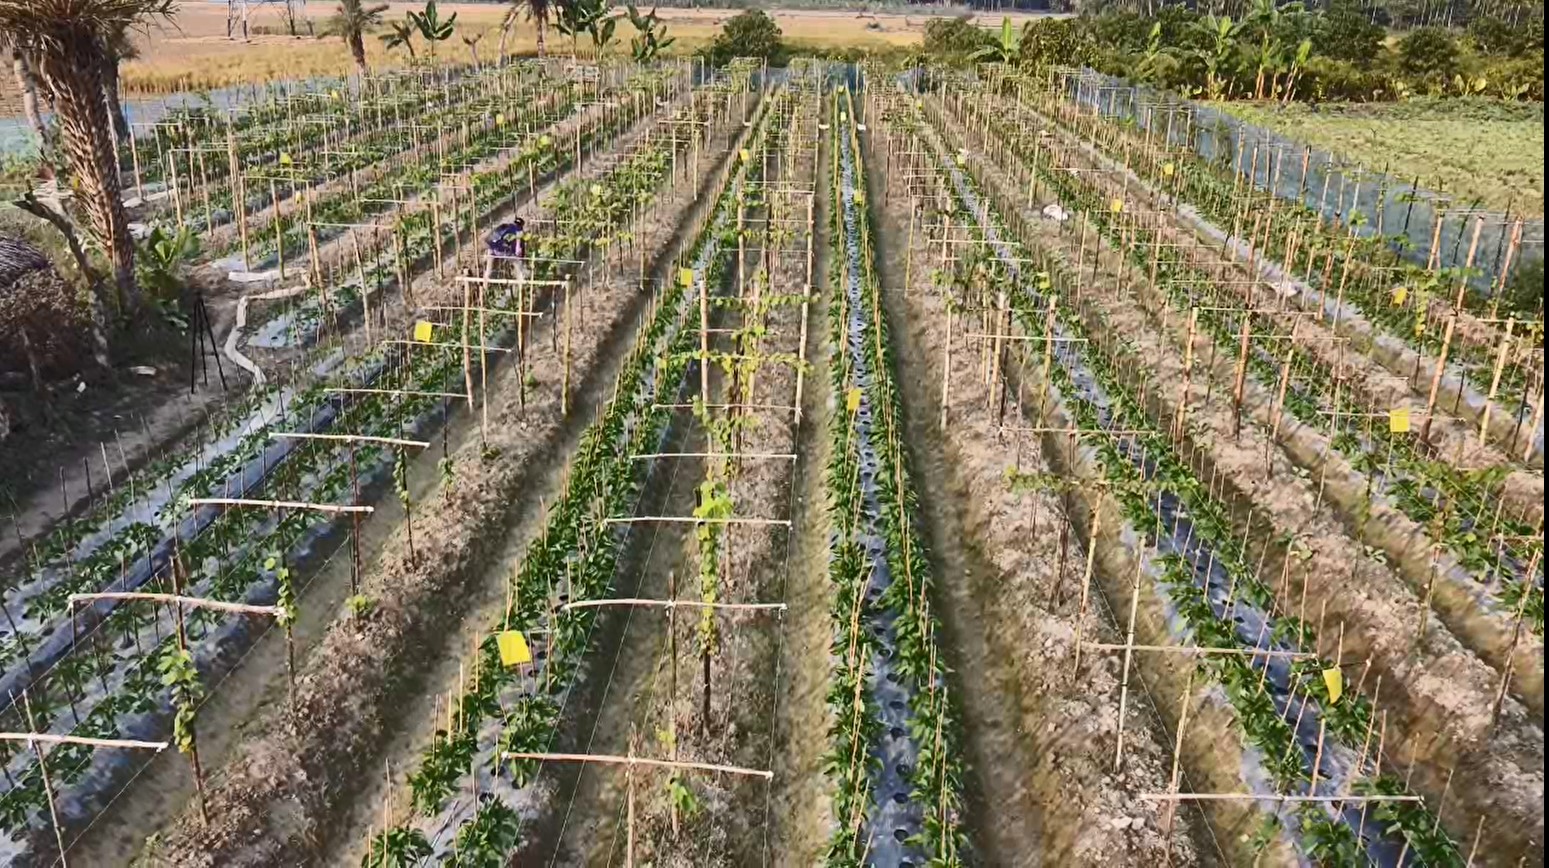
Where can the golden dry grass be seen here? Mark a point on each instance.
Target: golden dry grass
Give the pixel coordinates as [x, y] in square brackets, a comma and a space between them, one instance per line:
[195, 53]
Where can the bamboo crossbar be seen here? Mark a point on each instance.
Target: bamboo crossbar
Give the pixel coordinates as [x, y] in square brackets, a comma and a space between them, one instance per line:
[349, 391]
[494, 311]
[1244, 797]
[506, 281]
[277, 504]
[50, 738]
[196, 602]
[724, 406]
[1033, 338]
[773, 456]
[669, 604]
[640, 761]
[1189, 649]
[448, 345]
[687, 519]
[350, 438]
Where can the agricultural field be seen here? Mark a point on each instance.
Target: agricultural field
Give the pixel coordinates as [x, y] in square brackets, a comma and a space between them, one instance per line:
[707, 460]
[1482, 151]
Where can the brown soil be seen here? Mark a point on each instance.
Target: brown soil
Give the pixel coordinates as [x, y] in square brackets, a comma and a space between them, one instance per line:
[733, 824]
[1042, 742]
[1437, 695]
[1489, 632]
[286, 784]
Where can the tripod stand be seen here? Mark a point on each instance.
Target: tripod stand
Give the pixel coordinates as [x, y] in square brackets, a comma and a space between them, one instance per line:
[200, 329]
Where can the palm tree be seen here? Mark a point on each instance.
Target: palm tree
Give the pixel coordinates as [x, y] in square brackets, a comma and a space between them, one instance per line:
[351, 22]
[120, 47]
[68, 39]
[538, 12]
[400, 34]
[27, 85]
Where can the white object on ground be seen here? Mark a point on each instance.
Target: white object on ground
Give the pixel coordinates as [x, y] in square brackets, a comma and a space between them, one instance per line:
[235, 335]
[1053, 211]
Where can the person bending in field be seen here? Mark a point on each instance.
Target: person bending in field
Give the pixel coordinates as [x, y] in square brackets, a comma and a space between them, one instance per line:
[509, 242]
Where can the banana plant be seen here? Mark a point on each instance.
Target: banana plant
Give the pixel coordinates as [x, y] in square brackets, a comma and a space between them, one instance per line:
[1003, 50]
[651, 35]
[432, 27]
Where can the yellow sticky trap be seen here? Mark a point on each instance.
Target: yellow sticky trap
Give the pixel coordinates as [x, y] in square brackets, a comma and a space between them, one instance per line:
[1334, 680]
[1400, 295]
[333, 94]
[743, 153]
[1398, 420]
[1168, 169]
[1116, 205]
[513, 648]
[686, 277]
[844, 116]
[424, 331]
[285, 159]
[852, 400]
[500, 120]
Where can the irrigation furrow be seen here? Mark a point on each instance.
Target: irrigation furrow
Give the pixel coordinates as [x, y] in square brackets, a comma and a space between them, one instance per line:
[1212, 595]
[1444, 529]
[896, 752]
[1454, 748]
[508, 710]
[130, 700]
[1404, 332]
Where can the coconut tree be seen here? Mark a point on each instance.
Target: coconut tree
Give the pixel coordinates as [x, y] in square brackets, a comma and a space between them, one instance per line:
[351, 22]
[538, 12]
[400, 34]
[68, 39]
[27, 86]
[120, 47]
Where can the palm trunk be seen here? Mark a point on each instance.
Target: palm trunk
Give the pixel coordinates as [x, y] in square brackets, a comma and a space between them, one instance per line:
[28, 85]
[358, 51]
[119, 124]
[505, 33]
[74, 75]
[541, 26]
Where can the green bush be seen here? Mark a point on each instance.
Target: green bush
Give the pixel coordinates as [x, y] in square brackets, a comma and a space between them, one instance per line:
[1344, 33]
[1525, 290]
[1327, 79]
[1429, 56]
[955, 37]
[750, 34]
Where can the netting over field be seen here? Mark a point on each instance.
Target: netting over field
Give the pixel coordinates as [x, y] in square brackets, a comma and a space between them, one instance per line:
[1339, 188]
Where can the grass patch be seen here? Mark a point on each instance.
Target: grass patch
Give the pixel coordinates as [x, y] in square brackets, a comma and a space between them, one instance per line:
[1473, 149]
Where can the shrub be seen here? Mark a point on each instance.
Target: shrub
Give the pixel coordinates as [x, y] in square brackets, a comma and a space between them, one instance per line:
[1525, 290]
[1429, 56]
[750, 34]
[1344, 33]
[1064, 41]
[1327, 79]
[954, 36]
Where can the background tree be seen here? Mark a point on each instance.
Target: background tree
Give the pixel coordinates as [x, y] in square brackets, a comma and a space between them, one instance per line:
[650, 35]
[400, 34]
[68, 38]
[27, 86]
[351, 22]
[119, 45]
[432, 27]
[1003, 50]
[750, 34]
[538, 12]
